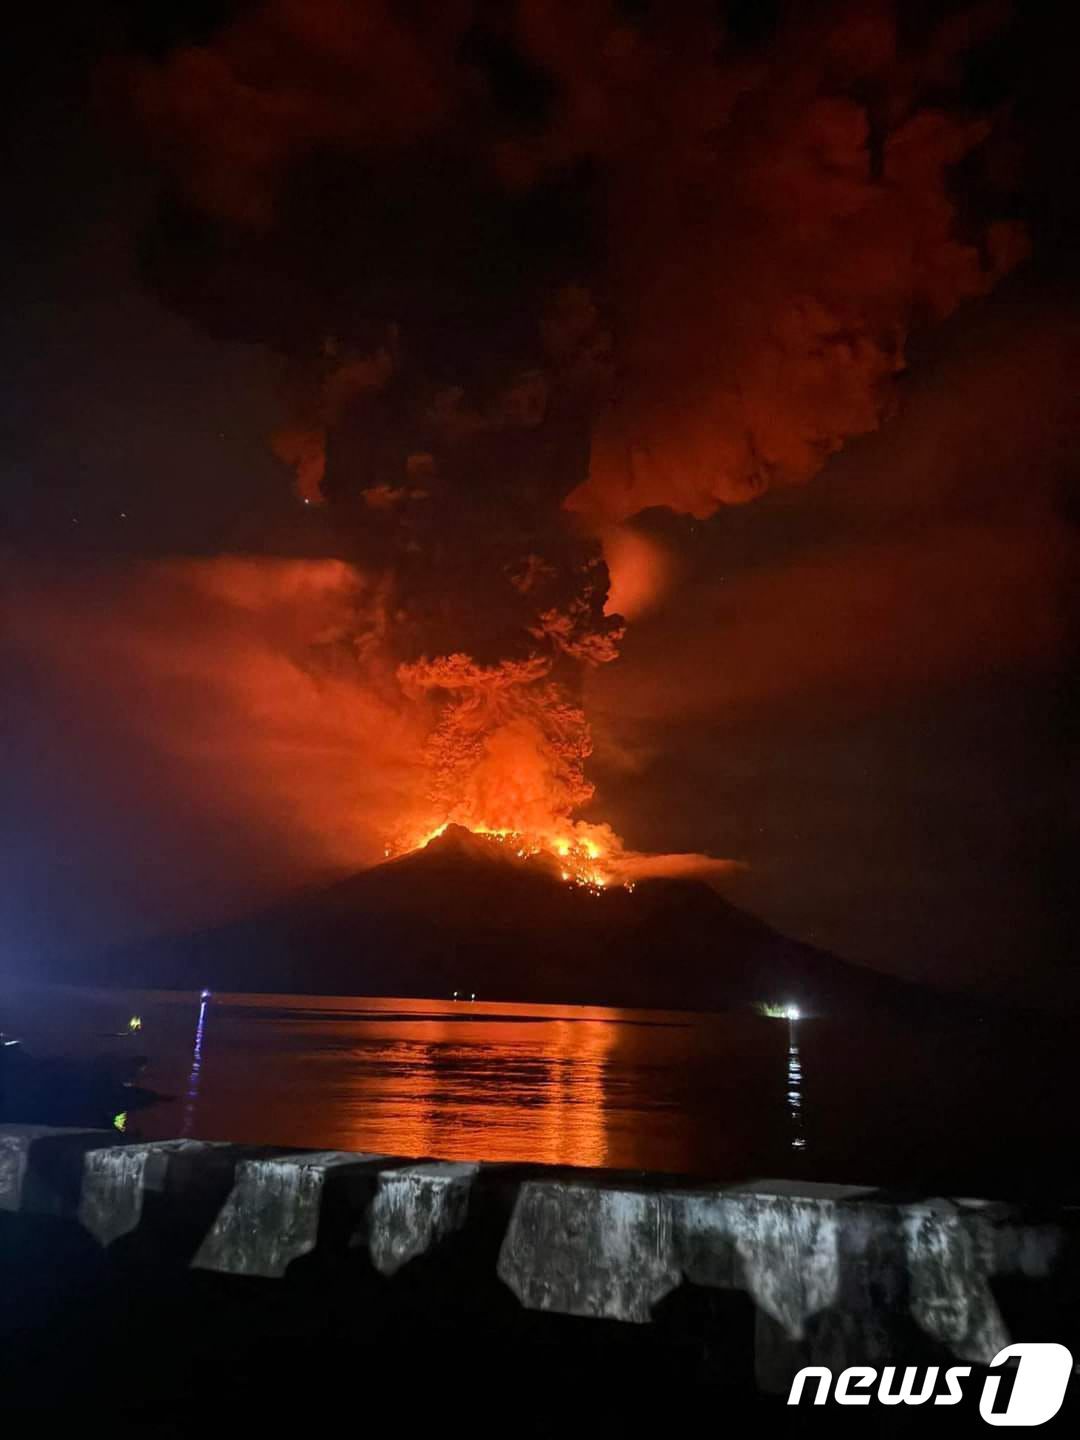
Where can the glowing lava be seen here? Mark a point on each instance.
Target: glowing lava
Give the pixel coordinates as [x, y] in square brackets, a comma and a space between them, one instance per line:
[581, 856]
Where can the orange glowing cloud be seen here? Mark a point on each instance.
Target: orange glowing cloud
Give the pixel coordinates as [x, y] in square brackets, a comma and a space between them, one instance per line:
[238, 683]
[640, 569]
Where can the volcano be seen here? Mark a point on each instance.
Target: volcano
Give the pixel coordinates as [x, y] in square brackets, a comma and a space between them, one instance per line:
[466, 914]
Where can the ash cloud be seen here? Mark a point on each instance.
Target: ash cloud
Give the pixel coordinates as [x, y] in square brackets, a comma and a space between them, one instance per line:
[537, 268]
[719, 250]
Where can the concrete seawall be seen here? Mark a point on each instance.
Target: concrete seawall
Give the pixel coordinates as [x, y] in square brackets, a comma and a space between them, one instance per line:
[778, 1273]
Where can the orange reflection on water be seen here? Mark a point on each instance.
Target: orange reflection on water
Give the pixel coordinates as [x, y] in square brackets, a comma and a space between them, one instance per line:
[559, 1085]
[548, 1084]
[452, 1085]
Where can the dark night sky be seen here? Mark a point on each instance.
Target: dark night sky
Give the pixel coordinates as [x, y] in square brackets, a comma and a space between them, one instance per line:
[857, 686]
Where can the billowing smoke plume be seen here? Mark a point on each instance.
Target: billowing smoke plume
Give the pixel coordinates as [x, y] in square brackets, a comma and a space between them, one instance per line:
[536, 268]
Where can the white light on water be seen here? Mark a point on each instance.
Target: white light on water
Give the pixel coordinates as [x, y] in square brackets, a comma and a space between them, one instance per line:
[792, 1012]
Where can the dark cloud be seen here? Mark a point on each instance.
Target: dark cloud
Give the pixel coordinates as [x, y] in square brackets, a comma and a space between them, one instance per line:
[762, 224]
[860, 687]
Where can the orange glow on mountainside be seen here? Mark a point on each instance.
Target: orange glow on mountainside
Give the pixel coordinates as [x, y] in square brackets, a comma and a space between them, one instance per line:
[580, 855]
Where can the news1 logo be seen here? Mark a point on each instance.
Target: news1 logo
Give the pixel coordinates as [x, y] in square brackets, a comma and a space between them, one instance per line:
[1039, 1373]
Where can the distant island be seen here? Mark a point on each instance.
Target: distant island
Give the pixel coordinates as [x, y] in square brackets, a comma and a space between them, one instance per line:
[463, 915]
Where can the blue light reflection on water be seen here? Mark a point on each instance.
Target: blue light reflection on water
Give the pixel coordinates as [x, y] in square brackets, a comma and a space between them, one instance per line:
[192, 1097]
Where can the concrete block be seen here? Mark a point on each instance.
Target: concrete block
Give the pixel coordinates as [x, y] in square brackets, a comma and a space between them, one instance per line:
[186, 1177]
[583, 1249]
[414, 1208]
[41, 1167]
[273, 1212]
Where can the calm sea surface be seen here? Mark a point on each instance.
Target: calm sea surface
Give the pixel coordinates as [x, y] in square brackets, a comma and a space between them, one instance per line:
[969, 1110]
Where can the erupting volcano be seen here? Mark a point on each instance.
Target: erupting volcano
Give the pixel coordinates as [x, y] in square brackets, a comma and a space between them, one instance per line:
[506, 756]
[506, 761]
[493, 918]
[540, 289]
[705, 263]
[580, 861]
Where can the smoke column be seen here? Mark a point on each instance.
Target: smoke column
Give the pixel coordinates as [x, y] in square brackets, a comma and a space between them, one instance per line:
[535, 269]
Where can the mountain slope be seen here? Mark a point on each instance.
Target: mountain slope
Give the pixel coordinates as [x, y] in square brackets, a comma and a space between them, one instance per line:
[465, 915]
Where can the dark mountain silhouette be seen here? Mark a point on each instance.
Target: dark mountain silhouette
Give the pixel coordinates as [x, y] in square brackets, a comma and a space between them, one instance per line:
[464, 915]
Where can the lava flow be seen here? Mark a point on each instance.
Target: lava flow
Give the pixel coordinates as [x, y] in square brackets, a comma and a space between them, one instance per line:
[581, 858]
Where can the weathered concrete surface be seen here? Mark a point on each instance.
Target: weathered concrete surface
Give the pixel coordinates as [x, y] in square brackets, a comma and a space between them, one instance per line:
[832, 1275]
[273, 1213]
[414, 1209]
[581, 1250]
[41, 1168]
[187, 1174]
[951, 1258]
